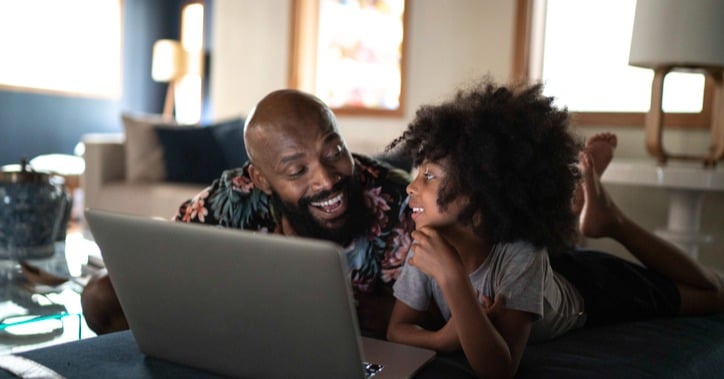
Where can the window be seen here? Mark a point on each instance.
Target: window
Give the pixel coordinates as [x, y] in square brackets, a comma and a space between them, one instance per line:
[579, 49]
[46, 46]
[350, 54]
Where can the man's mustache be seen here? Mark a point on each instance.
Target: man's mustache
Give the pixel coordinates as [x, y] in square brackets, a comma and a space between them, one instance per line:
[339, 186]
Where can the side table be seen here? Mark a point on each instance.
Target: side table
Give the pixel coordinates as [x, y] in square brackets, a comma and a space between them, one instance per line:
[43, 308]
[686, 182]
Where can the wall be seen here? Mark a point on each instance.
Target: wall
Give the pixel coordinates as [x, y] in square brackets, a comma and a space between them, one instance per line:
[447, 47]
[33, 123]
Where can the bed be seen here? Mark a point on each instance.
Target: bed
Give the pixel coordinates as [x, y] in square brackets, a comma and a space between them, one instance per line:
[691, 347]
[687, 347]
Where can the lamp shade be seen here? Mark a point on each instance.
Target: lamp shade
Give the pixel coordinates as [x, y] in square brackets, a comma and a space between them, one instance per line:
[168, 60]
[678, 33]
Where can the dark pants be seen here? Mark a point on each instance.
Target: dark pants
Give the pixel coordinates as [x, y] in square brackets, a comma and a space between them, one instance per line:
[616, 290]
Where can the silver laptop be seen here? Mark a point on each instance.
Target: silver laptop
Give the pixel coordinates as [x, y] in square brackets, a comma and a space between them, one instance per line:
[240, 303]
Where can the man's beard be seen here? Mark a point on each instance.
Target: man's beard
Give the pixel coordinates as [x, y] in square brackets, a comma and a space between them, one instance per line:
[357, 216]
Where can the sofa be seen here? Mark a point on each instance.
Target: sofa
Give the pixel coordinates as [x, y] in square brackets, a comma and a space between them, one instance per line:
[105, 185]
[156, 164]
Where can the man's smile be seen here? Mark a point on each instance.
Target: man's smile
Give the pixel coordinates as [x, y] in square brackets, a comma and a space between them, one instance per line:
[330, 204]
[330, 208]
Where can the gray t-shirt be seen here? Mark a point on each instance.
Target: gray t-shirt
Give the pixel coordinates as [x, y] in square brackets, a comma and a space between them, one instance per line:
[521, 273]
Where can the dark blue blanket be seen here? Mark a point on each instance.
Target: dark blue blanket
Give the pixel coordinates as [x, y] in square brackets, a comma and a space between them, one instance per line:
[691, 347]
[687, 347]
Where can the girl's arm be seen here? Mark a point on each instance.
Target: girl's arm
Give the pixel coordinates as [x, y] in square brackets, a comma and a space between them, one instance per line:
[494, 349]
[404, 327]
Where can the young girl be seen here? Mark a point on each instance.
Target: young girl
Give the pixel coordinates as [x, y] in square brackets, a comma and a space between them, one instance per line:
[491, 202]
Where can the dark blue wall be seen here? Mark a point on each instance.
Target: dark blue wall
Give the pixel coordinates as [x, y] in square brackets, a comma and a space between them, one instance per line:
[32, 124]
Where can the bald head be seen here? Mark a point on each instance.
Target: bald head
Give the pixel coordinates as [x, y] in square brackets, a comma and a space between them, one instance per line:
[286, 113]
[299, 159]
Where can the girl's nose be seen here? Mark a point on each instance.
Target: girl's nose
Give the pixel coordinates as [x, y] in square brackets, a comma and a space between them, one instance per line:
[410, 189]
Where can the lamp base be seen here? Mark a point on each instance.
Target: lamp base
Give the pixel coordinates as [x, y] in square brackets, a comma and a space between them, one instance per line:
[654, 121]
[168, 105]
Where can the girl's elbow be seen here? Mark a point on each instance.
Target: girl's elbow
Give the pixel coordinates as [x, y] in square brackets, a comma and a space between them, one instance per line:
[483, 373]
[392, 334]
[505, 369]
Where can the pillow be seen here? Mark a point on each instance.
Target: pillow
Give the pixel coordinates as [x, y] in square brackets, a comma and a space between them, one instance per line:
[200, 155]
[144, 155]
[230, 136]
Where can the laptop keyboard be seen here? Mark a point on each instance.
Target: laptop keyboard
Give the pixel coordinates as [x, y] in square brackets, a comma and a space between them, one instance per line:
[371, 369]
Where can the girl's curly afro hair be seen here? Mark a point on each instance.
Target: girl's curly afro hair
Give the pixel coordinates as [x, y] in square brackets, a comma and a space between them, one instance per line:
[510, 151]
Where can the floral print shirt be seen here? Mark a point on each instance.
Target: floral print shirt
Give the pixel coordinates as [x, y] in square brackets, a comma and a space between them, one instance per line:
[374, 259]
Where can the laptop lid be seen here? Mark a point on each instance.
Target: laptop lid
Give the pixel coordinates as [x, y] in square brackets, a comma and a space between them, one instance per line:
[239, 303]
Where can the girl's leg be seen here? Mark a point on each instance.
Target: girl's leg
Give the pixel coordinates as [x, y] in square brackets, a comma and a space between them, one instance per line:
[700, 287]
[695, 301]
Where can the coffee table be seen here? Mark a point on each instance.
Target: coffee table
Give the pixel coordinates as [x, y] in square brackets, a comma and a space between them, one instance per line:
[40, 306]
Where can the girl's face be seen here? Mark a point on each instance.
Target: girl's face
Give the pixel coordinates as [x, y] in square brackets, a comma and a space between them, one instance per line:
[424, 190]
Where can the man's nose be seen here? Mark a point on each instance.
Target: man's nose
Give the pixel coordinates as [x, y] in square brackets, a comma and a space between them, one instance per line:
[324, 178]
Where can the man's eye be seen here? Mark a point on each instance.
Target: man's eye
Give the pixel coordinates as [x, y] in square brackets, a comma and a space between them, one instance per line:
[297, 171]
[336, 152]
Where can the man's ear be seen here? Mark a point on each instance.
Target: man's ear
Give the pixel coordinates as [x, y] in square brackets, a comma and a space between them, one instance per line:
[259, 180]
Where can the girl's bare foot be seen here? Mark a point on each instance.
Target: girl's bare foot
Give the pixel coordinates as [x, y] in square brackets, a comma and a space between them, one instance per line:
[601, 147]
[599, 215]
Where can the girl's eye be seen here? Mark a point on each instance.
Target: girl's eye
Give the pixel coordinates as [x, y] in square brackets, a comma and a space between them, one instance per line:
[427, 175]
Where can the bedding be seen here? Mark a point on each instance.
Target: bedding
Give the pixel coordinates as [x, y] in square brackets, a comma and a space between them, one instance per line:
[689, 347]
[685, 347]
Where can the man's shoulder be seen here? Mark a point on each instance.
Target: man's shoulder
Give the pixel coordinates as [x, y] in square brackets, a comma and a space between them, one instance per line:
[232, 200]
[235, 172]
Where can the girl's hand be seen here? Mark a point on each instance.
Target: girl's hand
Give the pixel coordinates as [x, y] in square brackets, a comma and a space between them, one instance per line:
[492, 308]
[447, 336]
[433, 255]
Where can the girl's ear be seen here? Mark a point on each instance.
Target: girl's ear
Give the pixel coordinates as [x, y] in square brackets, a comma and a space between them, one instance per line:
[259, 180]
[477, 219]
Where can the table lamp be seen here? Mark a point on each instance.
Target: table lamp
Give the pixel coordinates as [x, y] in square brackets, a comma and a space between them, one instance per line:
[686, 35]
[168, 66]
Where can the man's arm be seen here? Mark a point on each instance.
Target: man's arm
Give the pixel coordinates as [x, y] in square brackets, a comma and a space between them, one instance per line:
[373, 311]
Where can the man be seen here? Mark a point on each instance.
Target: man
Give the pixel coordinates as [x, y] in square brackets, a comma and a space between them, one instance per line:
[302, 180]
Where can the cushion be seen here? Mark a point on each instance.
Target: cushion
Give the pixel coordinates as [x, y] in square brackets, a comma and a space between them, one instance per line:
[144, 155]
[230, 136]
[200, 155]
